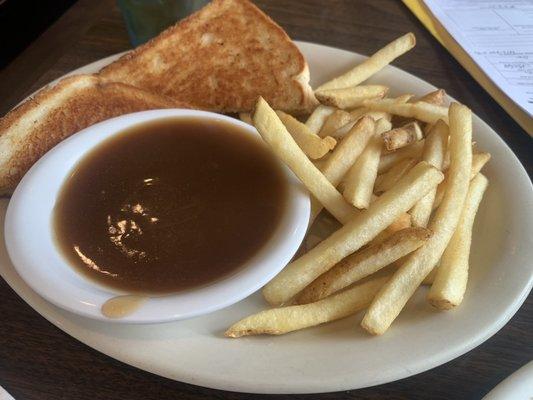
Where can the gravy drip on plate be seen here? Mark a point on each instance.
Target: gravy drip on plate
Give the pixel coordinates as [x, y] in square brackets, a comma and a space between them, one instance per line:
[122, 306]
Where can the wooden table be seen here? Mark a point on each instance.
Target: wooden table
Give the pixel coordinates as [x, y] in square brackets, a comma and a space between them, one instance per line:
[39, 361]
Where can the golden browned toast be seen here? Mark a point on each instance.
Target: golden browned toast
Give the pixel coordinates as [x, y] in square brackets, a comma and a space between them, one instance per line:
[56, 112]
[221, 59]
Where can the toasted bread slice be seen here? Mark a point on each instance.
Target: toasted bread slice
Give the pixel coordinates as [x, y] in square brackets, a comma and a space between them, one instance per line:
[221, 59]
[38, 124]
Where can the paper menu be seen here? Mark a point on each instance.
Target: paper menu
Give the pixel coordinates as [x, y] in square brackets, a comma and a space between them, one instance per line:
[498, 36]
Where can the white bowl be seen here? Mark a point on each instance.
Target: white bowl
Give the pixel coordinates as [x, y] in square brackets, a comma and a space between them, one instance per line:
[30, 243]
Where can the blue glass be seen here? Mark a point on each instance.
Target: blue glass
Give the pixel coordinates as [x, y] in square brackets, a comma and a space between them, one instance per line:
[146, 18]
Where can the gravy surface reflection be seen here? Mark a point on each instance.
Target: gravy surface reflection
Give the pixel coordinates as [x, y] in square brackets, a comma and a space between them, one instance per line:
[169, 205]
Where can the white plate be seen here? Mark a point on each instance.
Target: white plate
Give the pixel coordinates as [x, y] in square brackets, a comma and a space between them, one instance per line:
[4, 395]
[517, 386]
[338, 356]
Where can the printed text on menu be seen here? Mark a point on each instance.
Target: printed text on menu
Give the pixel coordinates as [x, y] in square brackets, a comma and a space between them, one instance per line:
[498, 35]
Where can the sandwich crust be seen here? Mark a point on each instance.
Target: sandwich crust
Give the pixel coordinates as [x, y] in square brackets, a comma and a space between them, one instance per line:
[56, 112]
[221, 58]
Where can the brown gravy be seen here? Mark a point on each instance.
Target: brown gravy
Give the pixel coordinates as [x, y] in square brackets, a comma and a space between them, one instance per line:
[169, 205]
[122, 306]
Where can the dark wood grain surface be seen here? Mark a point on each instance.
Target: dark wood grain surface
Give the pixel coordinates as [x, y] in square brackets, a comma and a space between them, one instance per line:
[39, 361]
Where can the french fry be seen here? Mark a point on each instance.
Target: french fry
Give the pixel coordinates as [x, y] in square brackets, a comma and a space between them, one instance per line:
[311, 144]
[405, 135]
[281, 142]
[478, 162]
[430, 278]
[318, 117]
[245, 117]
[387, 161]
[388, 179]
[364, 263]
[359, 181]
[404, 98]
[446, 161]
[338, 119]
[439, 194]
[278, 321]
[373, 64]
[420, 110]
[402, 222]
[360, 230]
[341, 132]
[449, 286]
[391, 299]
[377, 115]
[345, 154]
[434, 149]
[437, 97]
[351, 97]
[396, 119]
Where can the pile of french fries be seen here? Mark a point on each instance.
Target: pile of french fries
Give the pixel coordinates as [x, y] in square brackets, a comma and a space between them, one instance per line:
[401, 177]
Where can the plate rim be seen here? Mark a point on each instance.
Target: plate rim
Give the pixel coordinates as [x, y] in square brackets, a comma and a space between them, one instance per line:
[422, 366]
